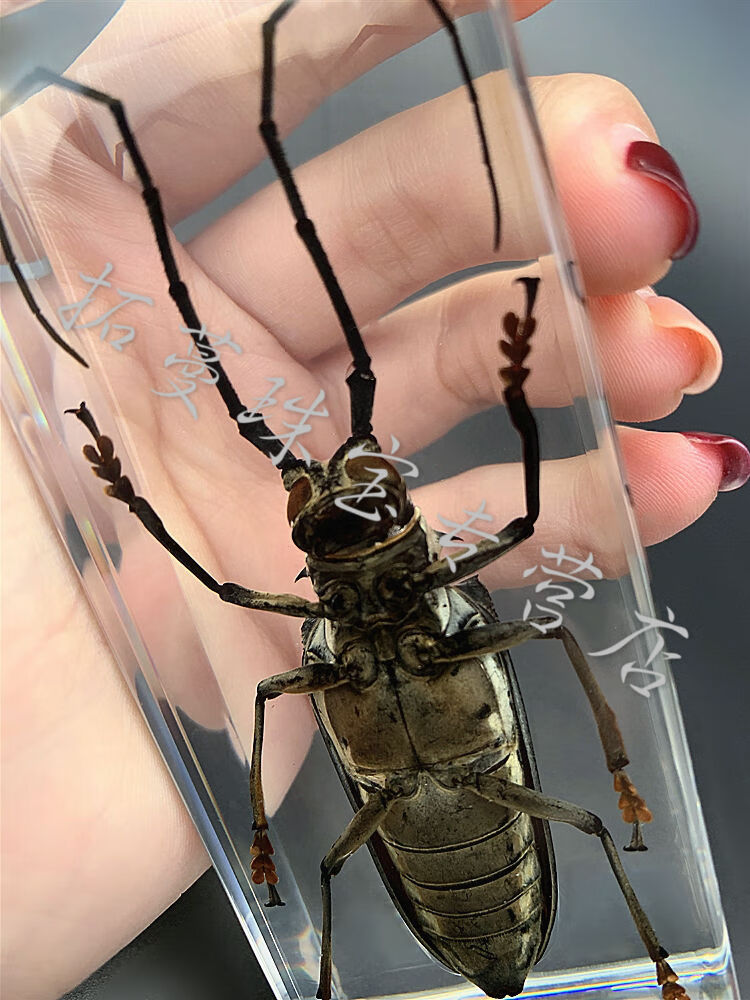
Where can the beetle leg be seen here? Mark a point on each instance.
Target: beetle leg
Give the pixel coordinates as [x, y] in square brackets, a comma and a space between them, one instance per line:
[315, 676]
[633, 806]
[533, 803]
[503, 635]
[106, 466]
[361, 827]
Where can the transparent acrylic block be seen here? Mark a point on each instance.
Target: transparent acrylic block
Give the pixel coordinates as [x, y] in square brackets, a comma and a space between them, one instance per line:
[382, 135]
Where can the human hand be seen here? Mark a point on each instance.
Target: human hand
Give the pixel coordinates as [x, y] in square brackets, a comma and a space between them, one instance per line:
[70, 746]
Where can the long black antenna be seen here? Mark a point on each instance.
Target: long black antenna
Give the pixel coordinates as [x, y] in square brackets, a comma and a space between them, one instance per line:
[361, 381]
[256, 432]
[466, 74]
[31, 302]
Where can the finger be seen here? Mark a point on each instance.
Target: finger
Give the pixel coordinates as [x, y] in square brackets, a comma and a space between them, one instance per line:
[652, 350]
[672, 480]
[614, 182]
[79, 764]
[189, 119]
[397, 208]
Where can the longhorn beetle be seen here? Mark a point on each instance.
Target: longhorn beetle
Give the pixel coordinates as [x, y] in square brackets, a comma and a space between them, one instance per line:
[449, 801]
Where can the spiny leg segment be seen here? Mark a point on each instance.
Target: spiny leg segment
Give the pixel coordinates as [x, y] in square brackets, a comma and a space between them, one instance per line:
[497, 637]
[359, 830]
[311, 676]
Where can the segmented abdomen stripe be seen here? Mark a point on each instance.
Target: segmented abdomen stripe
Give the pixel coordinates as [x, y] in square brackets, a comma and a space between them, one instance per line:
[443, 848]
[472, 883]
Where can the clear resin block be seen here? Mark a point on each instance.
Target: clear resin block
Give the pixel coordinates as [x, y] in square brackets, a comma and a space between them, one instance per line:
[431, 198]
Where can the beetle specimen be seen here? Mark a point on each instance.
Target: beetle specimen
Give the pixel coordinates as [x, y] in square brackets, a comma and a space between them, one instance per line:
[405, 661]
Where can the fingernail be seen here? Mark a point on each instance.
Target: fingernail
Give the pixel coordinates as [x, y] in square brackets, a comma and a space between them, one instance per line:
[652, 160]
[735, 457]
[646, 292]
[672, 315]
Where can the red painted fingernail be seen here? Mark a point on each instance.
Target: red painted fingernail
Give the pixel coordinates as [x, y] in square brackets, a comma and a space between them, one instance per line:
[735, 457]
[655, 162]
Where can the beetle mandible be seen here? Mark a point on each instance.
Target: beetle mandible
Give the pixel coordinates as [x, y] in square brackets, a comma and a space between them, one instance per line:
[409, 642]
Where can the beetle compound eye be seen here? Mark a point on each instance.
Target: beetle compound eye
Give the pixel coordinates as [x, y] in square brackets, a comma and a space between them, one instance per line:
[371, 468]
[380, 491]
[299, 495]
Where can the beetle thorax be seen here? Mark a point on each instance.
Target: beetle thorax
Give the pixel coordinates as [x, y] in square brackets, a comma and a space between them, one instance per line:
[378, 584]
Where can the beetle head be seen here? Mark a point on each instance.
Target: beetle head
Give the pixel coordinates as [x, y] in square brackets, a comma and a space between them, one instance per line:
[343, 507]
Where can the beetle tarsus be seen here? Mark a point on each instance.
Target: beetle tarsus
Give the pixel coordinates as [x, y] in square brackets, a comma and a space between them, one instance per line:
[673, 991]
[666, 977]
[105, 464]
[634, 809]
[262, 867]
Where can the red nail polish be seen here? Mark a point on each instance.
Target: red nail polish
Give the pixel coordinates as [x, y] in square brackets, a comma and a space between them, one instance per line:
[655, 162]
[735, 457]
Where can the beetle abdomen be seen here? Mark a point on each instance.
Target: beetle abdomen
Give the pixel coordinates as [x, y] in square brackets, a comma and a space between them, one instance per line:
[477, 895]
[473, 880]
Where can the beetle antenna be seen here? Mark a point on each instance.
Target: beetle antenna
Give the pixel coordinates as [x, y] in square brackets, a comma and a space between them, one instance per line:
[361, 381]
[468, 81]
[23, 285]
[255, 431]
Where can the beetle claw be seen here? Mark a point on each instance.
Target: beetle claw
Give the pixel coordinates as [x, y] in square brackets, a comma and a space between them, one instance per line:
[274, 899]
[636, 839]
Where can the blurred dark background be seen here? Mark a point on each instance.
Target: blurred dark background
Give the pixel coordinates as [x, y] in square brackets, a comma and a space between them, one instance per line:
[686, 61]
